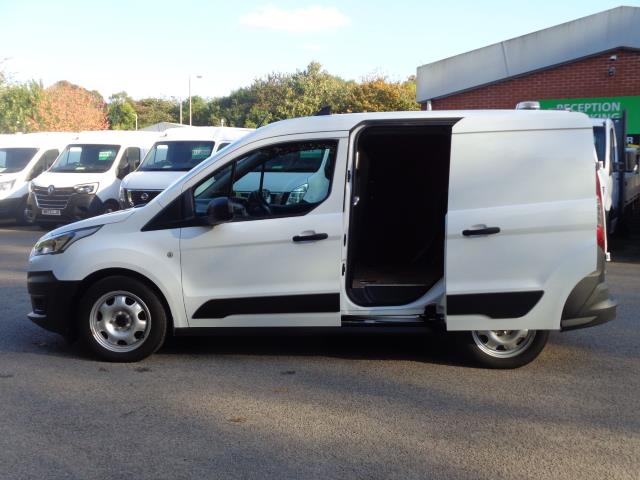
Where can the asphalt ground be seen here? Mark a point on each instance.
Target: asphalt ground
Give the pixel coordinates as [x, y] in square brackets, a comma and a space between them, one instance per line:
[336, 407]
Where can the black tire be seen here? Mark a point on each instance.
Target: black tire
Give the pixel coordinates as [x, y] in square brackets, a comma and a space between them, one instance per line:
[529, 351]
[21, 216]
[111, 206]
[152, 337]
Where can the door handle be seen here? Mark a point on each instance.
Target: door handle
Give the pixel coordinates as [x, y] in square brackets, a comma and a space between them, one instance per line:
[310, 237]
[481, 231]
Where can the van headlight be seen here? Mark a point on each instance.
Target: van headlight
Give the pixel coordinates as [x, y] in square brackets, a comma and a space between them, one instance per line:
[6, 186]
[86, 188]
[60, 242]
[297, 194]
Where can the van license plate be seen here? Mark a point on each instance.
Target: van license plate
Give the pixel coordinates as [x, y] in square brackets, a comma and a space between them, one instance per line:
[50, 211]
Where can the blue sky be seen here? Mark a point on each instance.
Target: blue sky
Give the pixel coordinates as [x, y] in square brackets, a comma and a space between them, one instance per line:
[149, 48]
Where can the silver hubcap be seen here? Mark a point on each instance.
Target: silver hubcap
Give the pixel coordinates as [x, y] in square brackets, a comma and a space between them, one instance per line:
[120, 321]
[503, 343]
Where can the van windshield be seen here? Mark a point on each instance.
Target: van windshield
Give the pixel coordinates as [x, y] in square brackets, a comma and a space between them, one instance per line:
[87, 158]
[179, 156]
[14, 160]
[600, 141]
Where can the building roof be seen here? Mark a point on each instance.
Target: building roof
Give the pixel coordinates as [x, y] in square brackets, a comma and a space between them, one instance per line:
[161, 127]
[567, 42]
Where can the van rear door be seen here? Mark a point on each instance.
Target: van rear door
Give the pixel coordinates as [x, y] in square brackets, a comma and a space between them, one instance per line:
[521, 221]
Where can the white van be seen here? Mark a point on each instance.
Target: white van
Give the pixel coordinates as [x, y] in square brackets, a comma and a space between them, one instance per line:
[175, 152]
[22, 158]
[85, 179]
[426, 222]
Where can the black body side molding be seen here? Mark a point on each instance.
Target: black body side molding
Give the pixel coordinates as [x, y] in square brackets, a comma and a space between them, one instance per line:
[316, 303]
[494, 305]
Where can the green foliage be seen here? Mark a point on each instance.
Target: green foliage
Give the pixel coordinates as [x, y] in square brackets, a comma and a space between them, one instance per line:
[19, 107]
[121, 113]
[156, 110]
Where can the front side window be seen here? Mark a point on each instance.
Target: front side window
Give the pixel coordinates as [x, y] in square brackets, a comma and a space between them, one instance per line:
[176, 156]
[86, 159]
[44, 163]
[282, 180]
[599, 139]
[13, 160]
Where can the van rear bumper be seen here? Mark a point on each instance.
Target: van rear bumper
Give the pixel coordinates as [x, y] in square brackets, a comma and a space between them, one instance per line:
[589, 303]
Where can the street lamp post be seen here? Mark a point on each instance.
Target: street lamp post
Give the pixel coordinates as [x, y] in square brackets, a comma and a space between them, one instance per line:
[190, 112]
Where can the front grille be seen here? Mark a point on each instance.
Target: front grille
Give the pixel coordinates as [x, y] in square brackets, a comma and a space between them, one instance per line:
[39, 304]
[135, 196]
[58, 199]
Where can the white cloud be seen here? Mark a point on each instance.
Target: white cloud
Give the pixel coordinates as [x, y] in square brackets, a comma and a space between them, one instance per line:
[301, 20]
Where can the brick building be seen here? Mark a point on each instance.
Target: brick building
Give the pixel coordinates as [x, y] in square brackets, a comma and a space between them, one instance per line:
[591, 64]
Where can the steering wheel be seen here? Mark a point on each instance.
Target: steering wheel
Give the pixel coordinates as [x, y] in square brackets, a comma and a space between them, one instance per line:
[257, 204]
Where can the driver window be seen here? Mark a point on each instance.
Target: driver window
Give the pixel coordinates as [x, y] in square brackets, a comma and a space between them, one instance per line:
[282, 180]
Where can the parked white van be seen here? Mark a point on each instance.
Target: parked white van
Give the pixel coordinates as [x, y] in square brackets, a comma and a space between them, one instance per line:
[85, 179]
[426, 221]
[22, 158]
[175, 152]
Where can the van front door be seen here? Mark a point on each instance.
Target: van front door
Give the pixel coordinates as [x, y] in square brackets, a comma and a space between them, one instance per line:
[277, 262]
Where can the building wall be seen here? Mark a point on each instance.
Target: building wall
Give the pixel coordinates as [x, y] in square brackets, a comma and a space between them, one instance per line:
[581, 79]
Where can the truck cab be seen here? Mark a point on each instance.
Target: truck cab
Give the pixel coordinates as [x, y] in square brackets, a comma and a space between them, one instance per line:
[424, 222]
[84, 181]
[175, 152]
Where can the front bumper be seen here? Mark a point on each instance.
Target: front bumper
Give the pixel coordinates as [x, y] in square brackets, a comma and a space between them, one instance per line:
[79, 206]
[9, 207]
[52, 301]
[589, 303]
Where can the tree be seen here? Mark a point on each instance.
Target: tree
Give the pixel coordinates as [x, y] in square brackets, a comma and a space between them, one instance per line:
[156, 110]
[121, 113]
[68, 107]
[377, 94]
[19, 107]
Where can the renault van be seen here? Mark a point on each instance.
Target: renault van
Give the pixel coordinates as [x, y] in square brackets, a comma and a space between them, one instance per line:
[177, 150]
[85, 179]
[425, 222]
[22, 158]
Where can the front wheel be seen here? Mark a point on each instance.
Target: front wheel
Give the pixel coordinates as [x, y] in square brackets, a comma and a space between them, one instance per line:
[504, 348]
[121, 319]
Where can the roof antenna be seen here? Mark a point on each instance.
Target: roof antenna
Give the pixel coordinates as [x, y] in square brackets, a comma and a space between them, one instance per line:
[326, 110]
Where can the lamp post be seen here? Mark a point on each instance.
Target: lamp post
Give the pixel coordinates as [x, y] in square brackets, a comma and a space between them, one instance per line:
[190, 112]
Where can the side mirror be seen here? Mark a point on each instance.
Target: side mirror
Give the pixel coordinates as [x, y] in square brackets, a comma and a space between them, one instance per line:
[219, 211]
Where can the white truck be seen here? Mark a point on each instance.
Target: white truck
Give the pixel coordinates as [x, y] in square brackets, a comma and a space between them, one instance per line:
[175, 152]
[22, 158]
[426, 222]
[85, 179]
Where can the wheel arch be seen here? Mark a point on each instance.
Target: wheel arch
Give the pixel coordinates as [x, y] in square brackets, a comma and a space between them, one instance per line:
[111, 272]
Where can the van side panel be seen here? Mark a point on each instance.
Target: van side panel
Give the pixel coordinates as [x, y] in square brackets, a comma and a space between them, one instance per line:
[538, 188]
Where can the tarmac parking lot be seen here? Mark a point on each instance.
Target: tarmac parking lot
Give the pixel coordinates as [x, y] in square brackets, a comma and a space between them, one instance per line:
[374, 407]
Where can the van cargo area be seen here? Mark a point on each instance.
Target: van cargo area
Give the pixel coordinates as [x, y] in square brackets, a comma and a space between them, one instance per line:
[399, 199]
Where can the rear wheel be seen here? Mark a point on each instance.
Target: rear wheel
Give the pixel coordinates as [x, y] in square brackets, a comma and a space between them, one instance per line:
[121, 319]
[504, 348]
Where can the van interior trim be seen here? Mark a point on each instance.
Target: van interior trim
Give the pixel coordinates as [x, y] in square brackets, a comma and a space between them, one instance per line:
[494, 305]
[313, 303]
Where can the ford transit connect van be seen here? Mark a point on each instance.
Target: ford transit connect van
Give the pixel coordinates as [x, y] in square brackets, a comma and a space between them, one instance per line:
[175, 152]
[22, 158]
[425, 221]
[85, 179]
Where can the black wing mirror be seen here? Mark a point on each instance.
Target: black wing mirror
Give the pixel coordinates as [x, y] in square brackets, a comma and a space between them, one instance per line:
[219, 211]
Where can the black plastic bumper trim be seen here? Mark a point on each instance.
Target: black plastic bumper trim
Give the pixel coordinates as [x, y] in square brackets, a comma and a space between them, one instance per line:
[54, 299]
[494, 305]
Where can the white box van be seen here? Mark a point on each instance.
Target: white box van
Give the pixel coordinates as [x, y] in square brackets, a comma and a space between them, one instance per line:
[445, 219]
[175, 152]
[22, 158]
[85, 179]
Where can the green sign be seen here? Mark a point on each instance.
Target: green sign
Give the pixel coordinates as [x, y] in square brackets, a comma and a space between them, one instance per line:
[603, 107]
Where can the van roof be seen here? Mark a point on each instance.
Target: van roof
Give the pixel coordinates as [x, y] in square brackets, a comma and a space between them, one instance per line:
[204, 133]
[471, 121]
[118, 137]
[37, 140]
